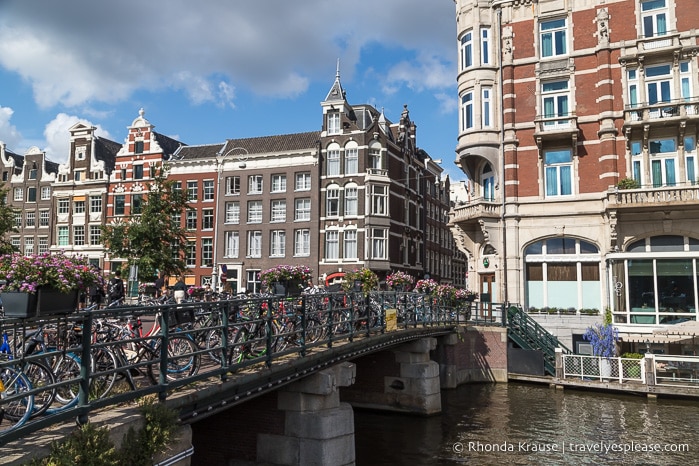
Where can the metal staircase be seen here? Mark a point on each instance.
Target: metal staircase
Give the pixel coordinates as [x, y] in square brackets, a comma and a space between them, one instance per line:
[528, 334]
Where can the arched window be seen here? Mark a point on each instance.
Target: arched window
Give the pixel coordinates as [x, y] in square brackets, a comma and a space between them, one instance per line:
[488, 183]
[563, 273]
[333, 160]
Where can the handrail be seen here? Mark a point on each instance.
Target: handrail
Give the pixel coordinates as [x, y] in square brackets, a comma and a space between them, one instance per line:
[529, 334]
[338, 317]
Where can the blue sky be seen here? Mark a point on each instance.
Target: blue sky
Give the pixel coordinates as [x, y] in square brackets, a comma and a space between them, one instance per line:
[209, 70]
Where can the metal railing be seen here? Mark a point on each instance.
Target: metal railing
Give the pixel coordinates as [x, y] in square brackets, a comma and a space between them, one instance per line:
[133, 351]
[529, 334]
[599, 368]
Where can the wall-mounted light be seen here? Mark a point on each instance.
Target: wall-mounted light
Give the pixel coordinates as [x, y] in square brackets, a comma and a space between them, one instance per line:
[486, 262]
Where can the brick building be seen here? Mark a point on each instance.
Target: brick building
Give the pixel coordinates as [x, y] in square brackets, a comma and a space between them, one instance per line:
[562, 105]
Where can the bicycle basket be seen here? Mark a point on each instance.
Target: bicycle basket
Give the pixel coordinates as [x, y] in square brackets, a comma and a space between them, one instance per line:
[183, 316]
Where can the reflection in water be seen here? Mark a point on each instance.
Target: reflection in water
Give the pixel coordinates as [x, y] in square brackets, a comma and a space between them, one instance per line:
[528, 424]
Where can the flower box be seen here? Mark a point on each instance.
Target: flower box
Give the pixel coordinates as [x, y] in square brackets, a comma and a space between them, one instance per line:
[46, 301]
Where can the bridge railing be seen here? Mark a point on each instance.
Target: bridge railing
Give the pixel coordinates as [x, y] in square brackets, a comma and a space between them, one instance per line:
[89, 360]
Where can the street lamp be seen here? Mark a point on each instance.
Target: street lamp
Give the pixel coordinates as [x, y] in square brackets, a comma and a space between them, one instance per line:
[241, 155]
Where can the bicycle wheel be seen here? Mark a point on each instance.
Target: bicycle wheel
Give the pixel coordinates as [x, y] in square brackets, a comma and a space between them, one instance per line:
[182, 360]
[66, 368]
[15, 408]
[41, 376]
[104, 370]
[213, 342]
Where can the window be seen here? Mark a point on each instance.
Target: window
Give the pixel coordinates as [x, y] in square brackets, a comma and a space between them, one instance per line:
[553, 37]
[332, 245]
[658, 83]
[350, 244]
[32, 173]
[278, 183]
[79, 235]
[486, 110]
[138, 147]
[555, 102]
[485, 46]
[558, 167]
[255, 184]
[663, 159]
[79, 175]
[28, 245]
[654, 17]
[690, 151]
[43, 245]
[255, 243]
[232, 244]
[302, 242]
[31, 194]
[277, 243]
[119, 204]
[488, 183]
[377, 241]
[95, 235]
[333, 165]
[191, 219]
[190, 255]
[685, 81]
[63, 236]
[207, 219]
[254, 211]
[232, 185]
[31, 219]
[332, 197]
[233, 212]
[138, 172]
[19, 194]
[303, 182]
[79, 207]
[632, 82]
[44, 218]
[302, 209]
[379, 200]
[351, 160]
[375, 161]
[45, 193]
[467, 50]
[334, 123]
[95, 204]
[208, 187]
[351, 200]
[278, 211]
[253, 281]
[207, 252]
[136, 204]
[123, 173]
[192, 190]
[467, 111]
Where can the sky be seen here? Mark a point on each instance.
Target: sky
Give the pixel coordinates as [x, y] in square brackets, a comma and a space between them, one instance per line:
[212, 70]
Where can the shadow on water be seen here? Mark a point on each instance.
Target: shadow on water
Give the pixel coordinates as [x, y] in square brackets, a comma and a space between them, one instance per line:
[521, 424]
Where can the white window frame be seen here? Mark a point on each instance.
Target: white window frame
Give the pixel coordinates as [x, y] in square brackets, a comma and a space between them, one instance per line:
[379, 200]
[378, 241]
[45, 193]
[332, 201]
[254, 243]
[208, 188]
[332, 167]
[485, 45]
[561, 170]
[277, 243]
[334, 123]
[303, 181]
[232, 212]
[302, 209]
[467, 121]
[654, 18]
[556, 96]
[555, 31]
[332, 245]
[232, 185]
[278, 183]
[302, 242]
[351, 201]
[255, 184]
[351, 160]
[466, 50]
[232, 244]
[349, 246]
[486, 107]
[254, 212]
[278, 209]
[79, 235]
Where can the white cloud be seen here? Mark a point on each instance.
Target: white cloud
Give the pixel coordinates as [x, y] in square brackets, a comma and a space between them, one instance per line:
[274, 48]
[57, 136]
[8, 133]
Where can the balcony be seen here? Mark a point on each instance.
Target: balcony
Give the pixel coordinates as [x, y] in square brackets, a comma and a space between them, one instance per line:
[556, 128]
[672, 112]
[681, 197]
[475, 210]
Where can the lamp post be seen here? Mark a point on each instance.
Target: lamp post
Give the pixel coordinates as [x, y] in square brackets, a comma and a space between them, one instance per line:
[242, 157]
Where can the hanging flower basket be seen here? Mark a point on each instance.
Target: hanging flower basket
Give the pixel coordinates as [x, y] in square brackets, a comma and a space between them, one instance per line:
[364, 280]
[400, 281]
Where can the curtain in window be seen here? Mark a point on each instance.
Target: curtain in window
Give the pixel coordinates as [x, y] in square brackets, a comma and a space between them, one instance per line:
[565, 181]
[657, 173]
[562, 105]
[662, 27]
[546, 45]
[691, 177]
[685, 89]
[670, 171]
[551, 181]
[637, 171]
[548, 107]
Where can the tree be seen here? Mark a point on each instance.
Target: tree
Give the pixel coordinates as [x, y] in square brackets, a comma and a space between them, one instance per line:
[151, 239]
[7, 222]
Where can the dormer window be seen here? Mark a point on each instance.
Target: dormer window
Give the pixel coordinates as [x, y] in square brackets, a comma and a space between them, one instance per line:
[334, 123]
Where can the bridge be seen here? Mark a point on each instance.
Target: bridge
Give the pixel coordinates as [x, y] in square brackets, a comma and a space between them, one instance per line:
[281, 362]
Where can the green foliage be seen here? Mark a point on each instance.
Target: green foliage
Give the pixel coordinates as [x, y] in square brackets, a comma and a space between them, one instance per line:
[7, 222]
[628, 183]
[368, 279]
[632, 355]
[148, 239]
[90, 446]
[607, 320]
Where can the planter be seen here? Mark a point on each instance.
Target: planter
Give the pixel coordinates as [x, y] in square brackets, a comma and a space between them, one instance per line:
[605, 368]
[287, 288]
[47, 301]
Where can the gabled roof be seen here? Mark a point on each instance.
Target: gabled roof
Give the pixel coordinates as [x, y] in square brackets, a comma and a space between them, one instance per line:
[106, 151]
[279, 143]
[200, 152]
[167, 144]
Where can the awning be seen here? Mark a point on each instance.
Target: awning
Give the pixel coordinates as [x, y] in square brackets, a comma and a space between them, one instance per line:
[656, 338]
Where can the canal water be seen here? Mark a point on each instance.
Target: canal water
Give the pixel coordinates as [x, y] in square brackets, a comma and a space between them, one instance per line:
[523, 424]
